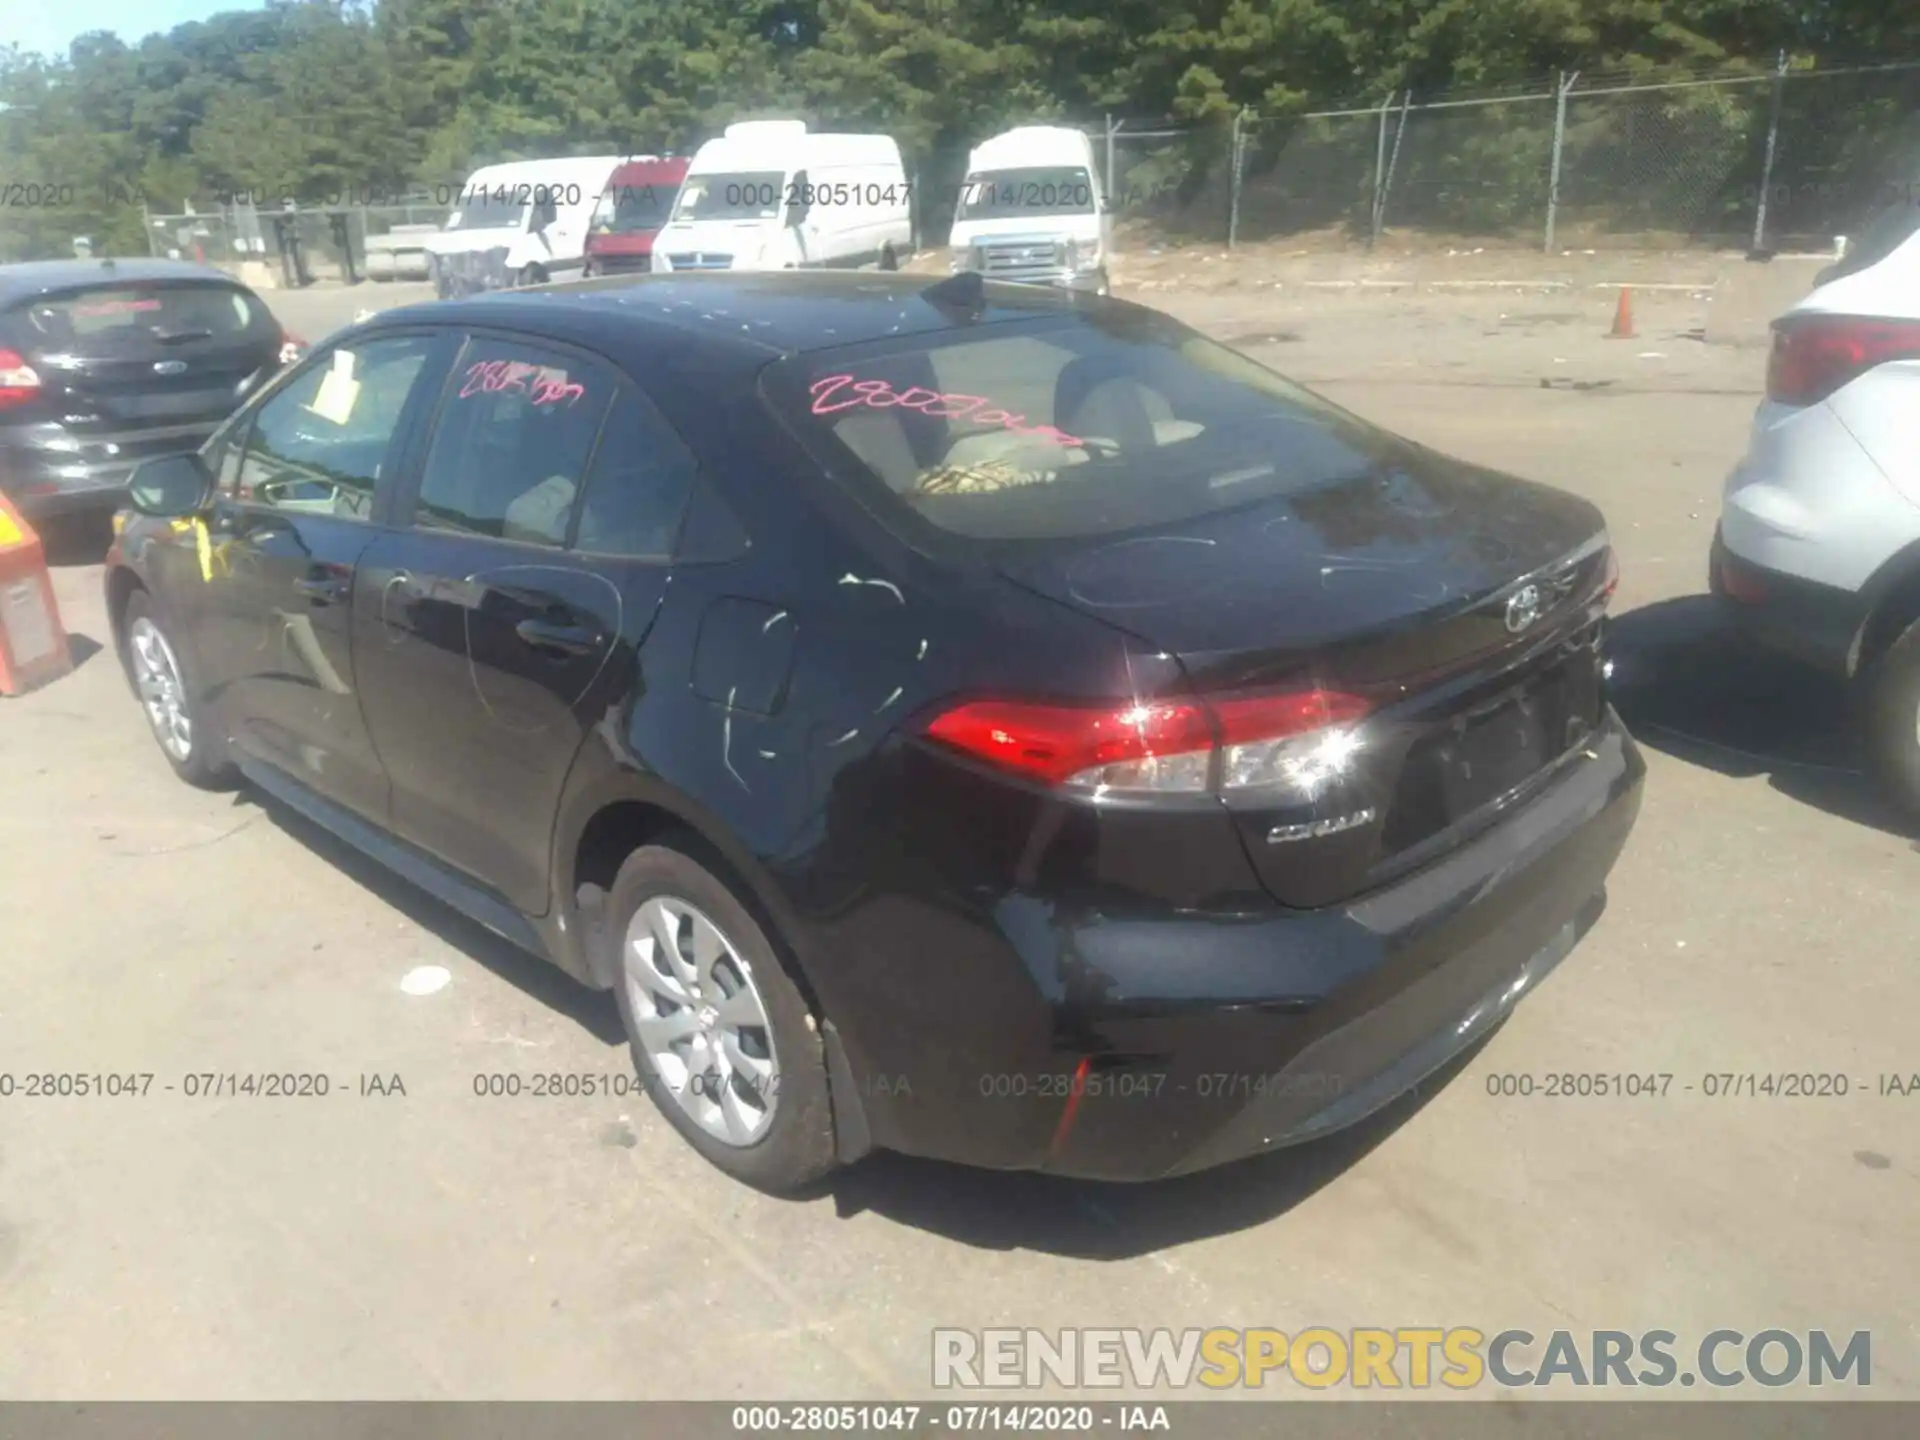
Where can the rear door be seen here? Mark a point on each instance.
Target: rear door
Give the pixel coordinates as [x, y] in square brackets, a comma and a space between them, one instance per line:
[134, 369]
[501, 619]
[302, 489]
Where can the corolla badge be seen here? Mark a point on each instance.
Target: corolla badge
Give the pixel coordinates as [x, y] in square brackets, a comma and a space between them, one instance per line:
[1523, 608]
[169, 367]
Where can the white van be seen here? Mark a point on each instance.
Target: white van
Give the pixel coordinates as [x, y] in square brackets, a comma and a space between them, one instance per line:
[1033, 210]
[522, 223]
[769, 195]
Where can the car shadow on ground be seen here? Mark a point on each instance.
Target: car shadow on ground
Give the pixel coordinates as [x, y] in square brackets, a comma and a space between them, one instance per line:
[1690, 687]
[592, 1010]
[1092, 1220]
[988, 1209]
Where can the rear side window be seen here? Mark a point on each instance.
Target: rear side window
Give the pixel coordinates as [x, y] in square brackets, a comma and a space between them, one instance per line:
[510, 451]
[1094, 426]
[639, 485]
[107, 319]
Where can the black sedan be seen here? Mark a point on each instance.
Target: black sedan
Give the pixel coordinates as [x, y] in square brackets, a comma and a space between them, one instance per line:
[986, 722]
[105, 363]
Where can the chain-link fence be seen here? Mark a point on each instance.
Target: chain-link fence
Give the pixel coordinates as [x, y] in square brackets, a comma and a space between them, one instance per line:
[303, 245]
[1773, 159]
[1766, 158]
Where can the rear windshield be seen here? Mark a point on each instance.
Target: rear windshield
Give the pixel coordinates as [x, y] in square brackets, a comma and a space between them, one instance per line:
[1029, 190]
[110, 318]
[1094, 426]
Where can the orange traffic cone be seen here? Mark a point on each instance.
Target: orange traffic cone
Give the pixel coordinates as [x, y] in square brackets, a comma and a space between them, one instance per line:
[33, 644]
[1623, 316]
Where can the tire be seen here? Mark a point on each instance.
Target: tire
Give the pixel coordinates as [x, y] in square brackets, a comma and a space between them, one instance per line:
[169, 695]
[1893, 719]
[531, 275]
[770, 1088]
[888, 260]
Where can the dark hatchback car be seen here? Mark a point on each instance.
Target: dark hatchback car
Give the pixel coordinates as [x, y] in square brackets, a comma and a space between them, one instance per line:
[105, 363]
[984, 722]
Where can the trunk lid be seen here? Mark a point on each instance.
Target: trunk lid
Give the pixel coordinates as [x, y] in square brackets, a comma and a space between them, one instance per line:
[1463, 606]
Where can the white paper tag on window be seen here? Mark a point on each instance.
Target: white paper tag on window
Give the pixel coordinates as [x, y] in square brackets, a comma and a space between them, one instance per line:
[338, 392]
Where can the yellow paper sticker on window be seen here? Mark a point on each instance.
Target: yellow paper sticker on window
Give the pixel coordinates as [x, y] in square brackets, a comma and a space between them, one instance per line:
[9, 532]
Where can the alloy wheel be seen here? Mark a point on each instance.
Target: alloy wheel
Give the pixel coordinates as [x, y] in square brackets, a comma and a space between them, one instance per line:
[156, 675]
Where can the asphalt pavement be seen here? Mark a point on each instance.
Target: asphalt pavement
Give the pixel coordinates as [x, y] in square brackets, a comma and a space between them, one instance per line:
[406, 1237]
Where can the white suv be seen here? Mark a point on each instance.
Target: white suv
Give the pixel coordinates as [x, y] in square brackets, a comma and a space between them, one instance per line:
[1818, 548]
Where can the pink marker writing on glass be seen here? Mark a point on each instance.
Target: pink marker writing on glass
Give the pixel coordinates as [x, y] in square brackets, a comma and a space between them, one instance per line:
[843, 392]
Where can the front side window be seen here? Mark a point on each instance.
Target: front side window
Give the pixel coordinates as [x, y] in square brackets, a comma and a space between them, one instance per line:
[320, 444]
[1088, 427]
[516, 430]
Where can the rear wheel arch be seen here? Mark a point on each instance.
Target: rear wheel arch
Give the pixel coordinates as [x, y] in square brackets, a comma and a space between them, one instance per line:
[633, 813]
[1893, 603]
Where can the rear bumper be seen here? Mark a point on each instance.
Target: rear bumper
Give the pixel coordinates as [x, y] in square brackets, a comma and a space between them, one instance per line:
[1818, 625]
[45, 472]
[1187, 1041]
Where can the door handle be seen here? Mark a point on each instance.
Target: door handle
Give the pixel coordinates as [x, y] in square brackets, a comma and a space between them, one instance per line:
[566, 639]
[322, 590]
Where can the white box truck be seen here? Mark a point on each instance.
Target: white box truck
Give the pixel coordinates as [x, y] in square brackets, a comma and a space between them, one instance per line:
[771, 195]
[521, 223]
[1033, 210]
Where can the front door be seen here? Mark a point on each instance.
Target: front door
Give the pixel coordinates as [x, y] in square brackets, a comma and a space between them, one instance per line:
[497, 627]
[294, 512]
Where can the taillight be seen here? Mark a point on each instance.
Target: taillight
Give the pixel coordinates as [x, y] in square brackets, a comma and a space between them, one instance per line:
[1295, 742]
[1610, 581]
[1814, 355]
[292, 347]
[19, 381]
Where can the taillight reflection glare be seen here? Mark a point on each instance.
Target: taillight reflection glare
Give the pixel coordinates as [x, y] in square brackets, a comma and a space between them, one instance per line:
[19, 381]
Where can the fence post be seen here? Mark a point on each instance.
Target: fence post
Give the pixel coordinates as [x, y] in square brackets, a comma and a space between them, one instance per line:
[1379, 172]
[1233, 181]
[1393, 164]
[1766, 169]
[146, 226]
[1559, 143]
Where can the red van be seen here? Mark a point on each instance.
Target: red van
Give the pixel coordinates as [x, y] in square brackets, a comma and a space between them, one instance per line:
[636, 204]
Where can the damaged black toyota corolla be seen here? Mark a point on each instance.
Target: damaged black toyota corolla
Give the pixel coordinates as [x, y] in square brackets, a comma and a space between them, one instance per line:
[985, 722]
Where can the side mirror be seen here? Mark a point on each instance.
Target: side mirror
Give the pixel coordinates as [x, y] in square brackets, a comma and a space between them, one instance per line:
[170, 487]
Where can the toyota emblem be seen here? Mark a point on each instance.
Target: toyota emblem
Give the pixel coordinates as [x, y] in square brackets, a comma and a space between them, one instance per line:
[1523, 608]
